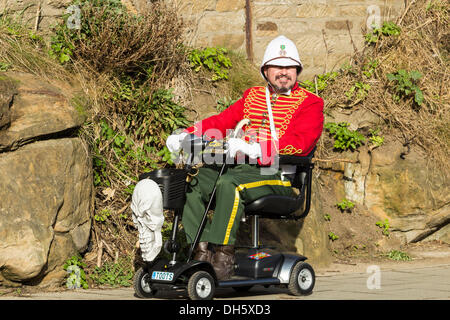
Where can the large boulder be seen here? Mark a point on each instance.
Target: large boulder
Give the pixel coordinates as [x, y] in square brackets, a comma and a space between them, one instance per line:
[400, 184]
[46, 188]
[414, 193]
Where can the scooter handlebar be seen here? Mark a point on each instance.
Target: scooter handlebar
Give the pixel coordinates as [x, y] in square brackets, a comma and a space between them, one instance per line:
[193, 143]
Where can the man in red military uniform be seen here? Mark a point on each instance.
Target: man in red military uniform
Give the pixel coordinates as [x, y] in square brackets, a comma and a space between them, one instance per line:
[284, 119]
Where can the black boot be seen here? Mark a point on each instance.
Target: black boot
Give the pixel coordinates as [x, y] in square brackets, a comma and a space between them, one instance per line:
[203, 253]
[223, 261]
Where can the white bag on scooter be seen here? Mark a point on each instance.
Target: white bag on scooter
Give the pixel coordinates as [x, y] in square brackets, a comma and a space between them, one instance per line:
[148, 217]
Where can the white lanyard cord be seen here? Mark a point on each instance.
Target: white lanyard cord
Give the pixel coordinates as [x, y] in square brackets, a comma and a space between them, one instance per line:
[269, 110]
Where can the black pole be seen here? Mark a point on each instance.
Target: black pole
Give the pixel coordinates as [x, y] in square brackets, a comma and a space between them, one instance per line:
[173, 244]
[205, 214]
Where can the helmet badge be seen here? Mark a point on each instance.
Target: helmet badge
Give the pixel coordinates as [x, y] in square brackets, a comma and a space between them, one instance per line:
[283, 52]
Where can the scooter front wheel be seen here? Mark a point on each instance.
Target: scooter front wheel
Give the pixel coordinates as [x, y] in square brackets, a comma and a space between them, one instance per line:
[302, 279]
[141, 284]
[201, 286]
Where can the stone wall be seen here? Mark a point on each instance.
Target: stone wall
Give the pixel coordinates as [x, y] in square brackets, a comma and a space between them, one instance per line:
[326, 32]
[40, 14]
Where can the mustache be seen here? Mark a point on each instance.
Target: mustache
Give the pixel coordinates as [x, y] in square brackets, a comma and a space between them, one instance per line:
[283, 76]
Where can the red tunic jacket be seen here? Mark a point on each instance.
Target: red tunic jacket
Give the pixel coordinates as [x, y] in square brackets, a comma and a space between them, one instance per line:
[298, 121]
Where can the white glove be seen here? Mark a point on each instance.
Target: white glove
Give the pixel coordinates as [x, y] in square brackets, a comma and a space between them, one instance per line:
[252, 150]
[173, 142]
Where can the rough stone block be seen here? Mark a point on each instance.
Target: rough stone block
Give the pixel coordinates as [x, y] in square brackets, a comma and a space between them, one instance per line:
[267, 26]
[229, 40]
[274, 11]
[339, 24]
[230, 5]
[220, 23]
[315, 10]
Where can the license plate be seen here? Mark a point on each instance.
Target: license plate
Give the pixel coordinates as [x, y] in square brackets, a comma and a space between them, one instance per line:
[164, 276]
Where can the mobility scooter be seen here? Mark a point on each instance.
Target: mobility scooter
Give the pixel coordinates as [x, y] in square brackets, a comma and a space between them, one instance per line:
[255, 264]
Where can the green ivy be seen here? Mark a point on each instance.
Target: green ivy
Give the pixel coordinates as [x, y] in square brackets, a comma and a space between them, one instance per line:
[388, 28]
[405, 85]
[375, 138]
[332, 236]
[345, 205]
[212, 59]
[383, 225]
[344, 138]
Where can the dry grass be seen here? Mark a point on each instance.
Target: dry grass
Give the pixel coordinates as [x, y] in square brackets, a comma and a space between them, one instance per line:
[423, 45]
[24, 51]
[125, 43]
[148, 51]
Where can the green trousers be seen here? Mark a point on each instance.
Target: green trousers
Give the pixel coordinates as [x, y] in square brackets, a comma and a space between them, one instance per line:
[237, 186]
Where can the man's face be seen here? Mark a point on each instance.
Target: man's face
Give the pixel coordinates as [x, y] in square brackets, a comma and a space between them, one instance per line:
[282, 79]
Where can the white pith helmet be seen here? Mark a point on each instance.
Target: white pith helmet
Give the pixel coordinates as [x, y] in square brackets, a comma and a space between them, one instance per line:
[281, 52]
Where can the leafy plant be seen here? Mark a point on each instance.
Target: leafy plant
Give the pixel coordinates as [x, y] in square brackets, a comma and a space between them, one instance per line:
[77, 277]
[154, 118]
[166, 155]
[383, 225]
[332, 236]
[405, 85]
[345, 205]
[322, 82]
[375, 138]
[398, 255]
[327, 217]
[114, 274]
[369, 68]
[344, 138]
[103, 215]
[358, 91]
[388, 28]
[213, 59]
[4, 66]
[150, 121]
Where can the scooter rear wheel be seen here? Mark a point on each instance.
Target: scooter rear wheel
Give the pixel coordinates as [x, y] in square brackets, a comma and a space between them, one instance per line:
[302, 279]
[201, 286]
[141, 284]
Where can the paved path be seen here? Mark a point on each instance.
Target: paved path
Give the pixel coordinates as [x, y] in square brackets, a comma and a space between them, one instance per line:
[398, 282]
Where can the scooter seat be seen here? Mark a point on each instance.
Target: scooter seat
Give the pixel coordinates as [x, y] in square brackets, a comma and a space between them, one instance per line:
[285, 207]
[274, 205]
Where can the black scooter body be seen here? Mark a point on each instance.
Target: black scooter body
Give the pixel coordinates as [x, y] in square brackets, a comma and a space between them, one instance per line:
[176, 271]
[254, 266]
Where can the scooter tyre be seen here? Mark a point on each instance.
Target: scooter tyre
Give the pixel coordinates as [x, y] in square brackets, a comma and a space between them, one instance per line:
[142, 287]
[201, 286]
[302, 279]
